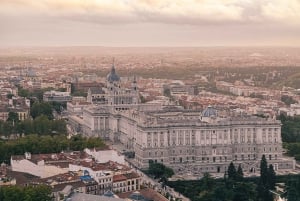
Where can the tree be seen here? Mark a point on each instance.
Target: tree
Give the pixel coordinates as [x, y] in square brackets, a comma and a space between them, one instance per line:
[38, 109]
[263, 186]
[1, 194]
[9, 96]
[12, 193]
[159, 170]
[23, 92]
[220, 192]
[41, 192]
[207, 181]
[271, 177]
[288, 100]
[13, 117]
[293, 186]
[169, 172]
[45, 144]
[232, 174]
[292, 194]
[29, 193]
[244, 191]
[263, 170]
[42, 125]
[240, 174]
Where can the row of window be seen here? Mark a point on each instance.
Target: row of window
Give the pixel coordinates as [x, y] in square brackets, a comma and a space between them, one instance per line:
[247, 131]
[103, 180]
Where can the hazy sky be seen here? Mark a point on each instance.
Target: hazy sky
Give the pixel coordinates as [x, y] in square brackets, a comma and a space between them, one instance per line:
[150, 22]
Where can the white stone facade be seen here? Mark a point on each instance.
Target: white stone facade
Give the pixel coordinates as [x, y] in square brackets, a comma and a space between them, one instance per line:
[186, 140]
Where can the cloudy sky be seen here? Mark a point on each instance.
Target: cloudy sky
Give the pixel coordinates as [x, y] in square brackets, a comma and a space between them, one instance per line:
[150, 22]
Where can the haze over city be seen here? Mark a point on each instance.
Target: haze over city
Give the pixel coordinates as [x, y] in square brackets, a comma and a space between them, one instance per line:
[150, 23]
[149, 100]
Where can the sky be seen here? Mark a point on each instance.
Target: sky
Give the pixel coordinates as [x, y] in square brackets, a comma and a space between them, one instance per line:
[149, 23]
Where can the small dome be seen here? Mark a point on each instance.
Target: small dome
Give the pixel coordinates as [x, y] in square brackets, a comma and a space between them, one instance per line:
[209, 112]
[112, 76]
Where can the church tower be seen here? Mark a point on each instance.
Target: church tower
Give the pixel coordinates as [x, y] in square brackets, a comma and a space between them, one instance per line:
[117, 94]
[134, 91]
[113, 85]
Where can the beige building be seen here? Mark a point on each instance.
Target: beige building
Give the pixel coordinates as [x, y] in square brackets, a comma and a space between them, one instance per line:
[186, 140]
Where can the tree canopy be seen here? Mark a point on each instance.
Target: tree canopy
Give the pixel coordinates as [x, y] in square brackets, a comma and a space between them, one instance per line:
[41, 108]
[46, 144]
[159, 170]
[40, 125]
[29, 193]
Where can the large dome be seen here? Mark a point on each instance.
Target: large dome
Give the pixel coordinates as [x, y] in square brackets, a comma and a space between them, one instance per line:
[209, 112]
[112, 76]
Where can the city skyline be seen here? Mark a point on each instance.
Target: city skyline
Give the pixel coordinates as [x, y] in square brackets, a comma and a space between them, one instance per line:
[149, 23]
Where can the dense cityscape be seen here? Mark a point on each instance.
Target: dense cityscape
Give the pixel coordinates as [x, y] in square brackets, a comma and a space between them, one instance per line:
[69, 129]
[149, 100]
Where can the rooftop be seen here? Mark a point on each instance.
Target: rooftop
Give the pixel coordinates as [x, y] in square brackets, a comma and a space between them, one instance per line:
[89, 197]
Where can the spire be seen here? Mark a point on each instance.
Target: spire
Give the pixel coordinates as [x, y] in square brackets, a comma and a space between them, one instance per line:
[112, 76]
[113, 70]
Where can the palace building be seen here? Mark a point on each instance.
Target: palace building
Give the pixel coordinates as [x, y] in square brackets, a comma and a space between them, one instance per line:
[185, 140]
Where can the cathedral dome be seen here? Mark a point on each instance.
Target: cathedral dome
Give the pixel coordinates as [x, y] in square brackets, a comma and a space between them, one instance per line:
[112, 76]
[209, 112]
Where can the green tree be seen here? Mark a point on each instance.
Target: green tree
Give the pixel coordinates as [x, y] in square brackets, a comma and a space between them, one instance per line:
[39, 109]
[1, 194]
[271, 177]
[44, 144]
[42, 125]
[13, 117]
[40, 193]
[263, 186]
[23, 92]
[12, 193]
[207, 181]
[7, 128]
[244, 191]
[240, 174]
[288, 100]
[263, 170]
[292, 194]
[159, 170]
[293, 187]
[9, 96]
[290, 130]
[232, 174]
[29, 193]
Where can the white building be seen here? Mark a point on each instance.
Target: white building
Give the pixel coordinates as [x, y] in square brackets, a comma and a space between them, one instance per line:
[57, 96]
[107, 175]
[186, 140]
[103, 156]
[110, 175]
[39, 165]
